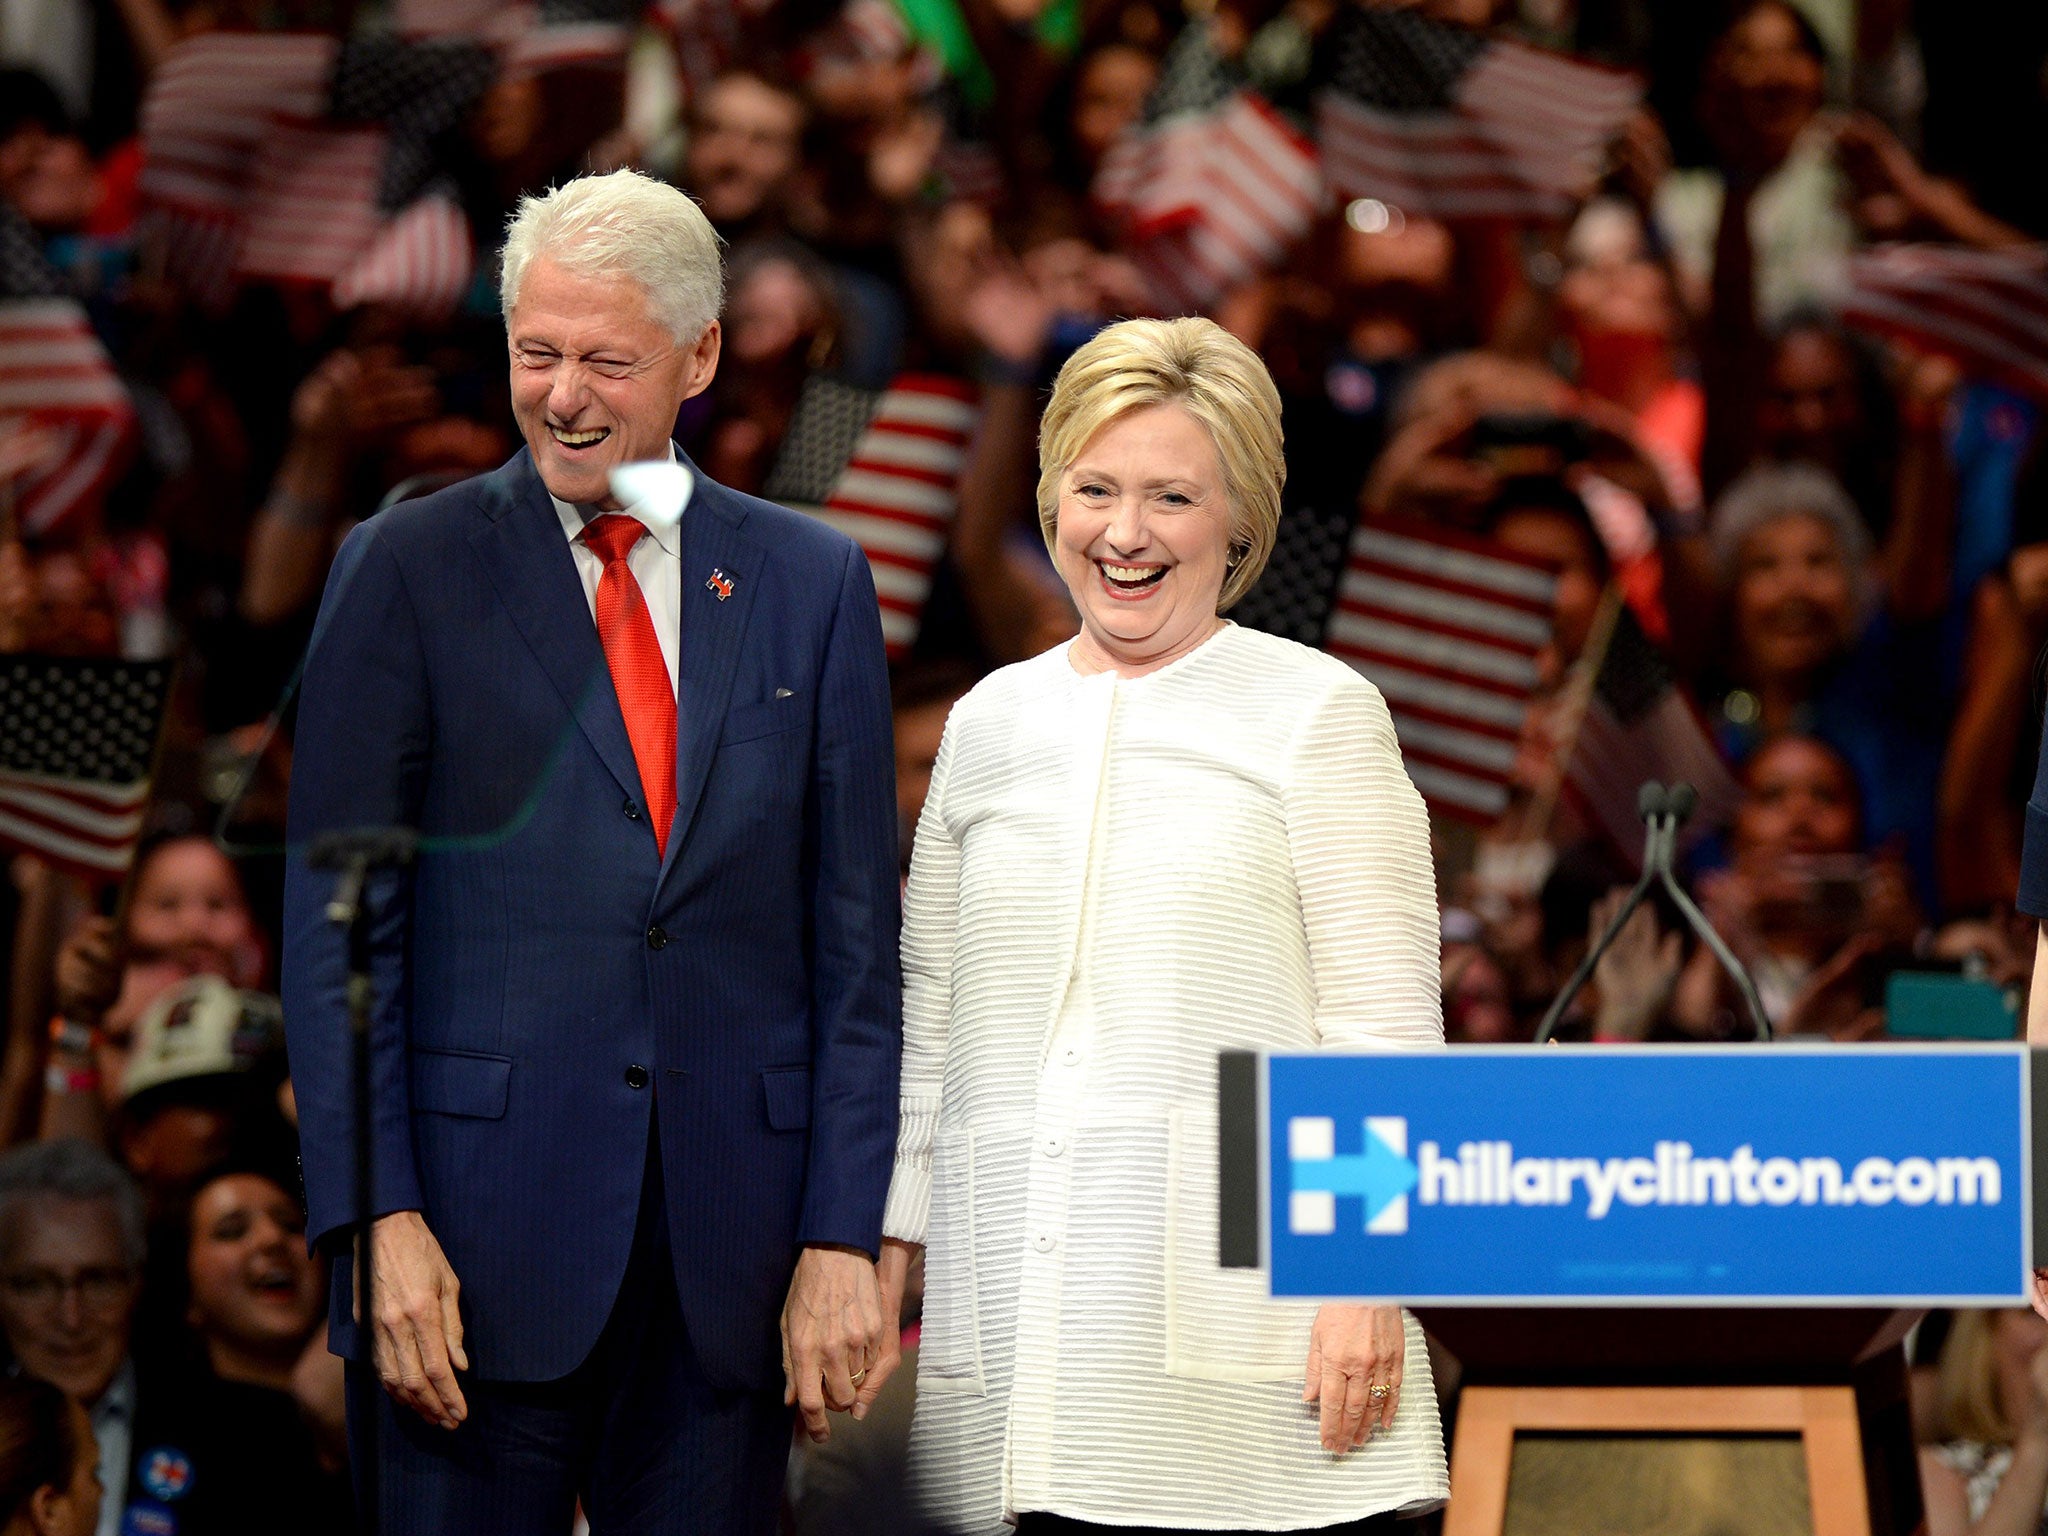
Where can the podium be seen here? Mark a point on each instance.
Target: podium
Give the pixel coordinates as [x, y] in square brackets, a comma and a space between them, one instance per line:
[1836, 1379]
[1710, 1256]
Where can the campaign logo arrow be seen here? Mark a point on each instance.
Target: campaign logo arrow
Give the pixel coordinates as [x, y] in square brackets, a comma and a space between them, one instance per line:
[1382, 1174]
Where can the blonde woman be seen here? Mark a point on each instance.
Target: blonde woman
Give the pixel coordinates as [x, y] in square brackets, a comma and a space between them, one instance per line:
[1168, 838]
[1986, 1471]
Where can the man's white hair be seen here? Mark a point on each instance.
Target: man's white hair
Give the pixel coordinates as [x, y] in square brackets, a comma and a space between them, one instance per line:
[627, 224]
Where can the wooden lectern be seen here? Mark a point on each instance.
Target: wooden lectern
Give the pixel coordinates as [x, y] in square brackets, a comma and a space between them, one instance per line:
[1835, 1379]
[1677, 1280]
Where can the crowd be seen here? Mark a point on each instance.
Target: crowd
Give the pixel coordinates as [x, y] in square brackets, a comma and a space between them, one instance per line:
[1792, 554]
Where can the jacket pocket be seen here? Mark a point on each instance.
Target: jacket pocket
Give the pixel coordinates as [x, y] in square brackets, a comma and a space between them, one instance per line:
[786, 1094]
[461, 1083]
[744, 722]
[949, 1345]
[1220, 1323]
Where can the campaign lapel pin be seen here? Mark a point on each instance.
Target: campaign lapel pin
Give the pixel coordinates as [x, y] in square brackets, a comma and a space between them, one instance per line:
[720, 583]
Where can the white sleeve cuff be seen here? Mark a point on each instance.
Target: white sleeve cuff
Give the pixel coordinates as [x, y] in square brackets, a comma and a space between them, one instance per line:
[908, 1212]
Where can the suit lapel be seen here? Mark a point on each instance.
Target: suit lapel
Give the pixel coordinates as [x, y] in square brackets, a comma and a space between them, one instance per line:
[714, 538]
[528, 560]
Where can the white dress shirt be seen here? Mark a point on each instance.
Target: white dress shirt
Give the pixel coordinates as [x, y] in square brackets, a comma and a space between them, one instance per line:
[1115, 878]
[113, 1425]
[656, 561]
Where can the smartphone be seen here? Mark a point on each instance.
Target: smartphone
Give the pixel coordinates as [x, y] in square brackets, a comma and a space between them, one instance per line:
[1942, 1005]
[1529, 443]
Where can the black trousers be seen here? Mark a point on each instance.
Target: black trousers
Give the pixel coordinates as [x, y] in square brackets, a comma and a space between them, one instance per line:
[635, 1433]
[1060, 1525]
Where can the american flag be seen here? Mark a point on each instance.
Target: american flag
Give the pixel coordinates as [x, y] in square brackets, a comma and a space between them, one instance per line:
[567, 34]
[1451, 123]
[1986, 309]
[294, 158]
[78, 742]
[1212, 185]
[422, 260]
[56, 378]
[1639, 727]
[705, 35]
[1447, 627]
[208, 111]
[312, 201]
[882, 466]
[530, 38]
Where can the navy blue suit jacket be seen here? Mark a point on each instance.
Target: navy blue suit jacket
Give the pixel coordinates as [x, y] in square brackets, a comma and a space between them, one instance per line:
[546, 984]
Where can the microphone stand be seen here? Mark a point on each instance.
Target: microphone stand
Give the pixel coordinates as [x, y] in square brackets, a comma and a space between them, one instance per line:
[356, 855]
[1663, 811]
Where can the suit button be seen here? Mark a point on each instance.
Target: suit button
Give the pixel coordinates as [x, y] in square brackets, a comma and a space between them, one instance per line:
[632, 811]
[636, 1076]
[656, 938]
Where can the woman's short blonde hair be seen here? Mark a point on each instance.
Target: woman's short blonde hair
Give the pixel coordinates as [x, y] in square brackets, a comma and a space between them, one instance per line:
[1966, 1403]
[1216, 379]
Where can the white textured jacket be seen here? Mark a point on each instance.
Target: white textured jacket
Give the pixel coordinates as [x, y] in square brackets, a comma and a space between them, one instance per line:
[1114, 879]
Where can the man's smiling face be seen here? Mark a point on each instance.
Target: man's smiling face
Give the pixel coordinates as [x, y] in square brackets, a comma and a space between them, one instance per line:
[597, 377]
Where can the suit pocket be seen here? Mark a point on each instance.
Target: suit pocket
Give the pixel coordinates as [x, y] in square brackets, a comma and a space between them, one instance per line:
[786, 1093]
[746, 722]
[1220, 1323]
[461, 1083]
[949, 1346]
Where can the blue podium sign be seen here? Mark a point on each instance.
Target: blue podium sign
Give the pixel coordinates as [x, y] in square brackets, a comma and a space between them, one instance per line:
[1777, 1175]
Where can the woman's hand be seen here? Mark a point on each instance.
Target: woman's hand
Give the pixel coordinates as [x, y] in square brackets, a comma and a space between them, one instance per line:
[1355, 1356]
[88, 971]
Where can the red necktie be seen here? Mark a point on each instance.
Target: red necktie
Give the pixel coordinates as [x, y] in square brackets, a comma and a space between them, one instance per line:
[646, 697]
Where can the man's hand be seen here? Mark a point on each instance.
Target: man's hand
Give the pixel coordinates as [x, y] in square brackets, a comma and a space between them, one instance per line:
[418, 1332]
[837, 1348]
[1355, 1359]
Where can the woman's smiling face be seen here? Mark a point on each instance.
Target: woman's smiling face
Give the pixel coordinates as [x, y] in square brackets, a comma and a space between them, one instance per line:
[1144, 539]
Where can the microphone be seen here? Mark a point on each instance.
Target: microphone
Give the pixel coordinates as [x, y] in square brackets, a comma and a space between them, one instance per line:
[1680, 801]
[1664, 809]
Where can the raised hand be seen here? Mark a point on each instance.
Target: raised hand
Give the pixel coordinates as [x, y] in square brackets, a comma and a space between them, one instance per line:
[1636, 975]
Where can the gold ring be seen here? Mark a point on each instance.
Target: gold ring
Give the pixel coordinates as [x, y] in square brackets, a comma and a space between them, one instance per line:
[1381, 1391]
[858, 1376]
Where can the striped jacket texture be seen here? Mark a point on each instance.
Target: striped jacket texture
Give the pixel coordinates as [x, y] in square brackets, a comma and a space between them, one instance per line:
[1114, 879]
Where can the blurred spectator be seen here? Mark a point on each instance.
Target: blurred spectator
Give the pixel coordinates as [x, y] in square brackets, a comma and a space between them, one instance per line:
[921, 698]
[1989, 769]
[263, 1419]
[782, 325]
[1814, 916]
[71, 1250]
[1477, 1007]
[746, 132]
[185, 916]
[1109, 85]
[49, 1463]
[1984, 1470]
[1370, 302]
[1830, 637]
[1824, 403]
[908, 189]
[1620, 314]
[203, 1075]
[84, 208]
[1775, 171]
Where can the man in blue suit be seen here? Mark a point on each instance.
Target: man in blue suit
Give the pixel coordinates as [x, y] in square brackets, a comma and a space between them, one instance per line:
[636, 1030]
